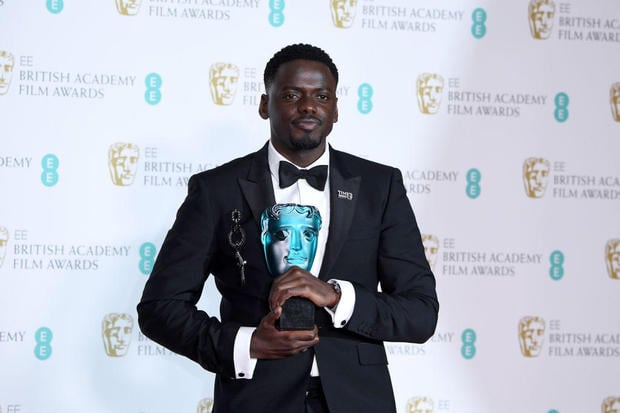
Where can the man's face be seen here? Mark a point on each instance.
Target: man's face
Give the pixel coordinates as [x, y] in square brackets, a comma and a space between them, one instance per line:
[128, 7]
[430, 95]
[541, 20]
[6, 72]
[118, 336]
[343, 12]
[536, 178]
[613, 261]
[290, 241]
[125, 164]
[532, 337]
[224, 86]
[301, 107]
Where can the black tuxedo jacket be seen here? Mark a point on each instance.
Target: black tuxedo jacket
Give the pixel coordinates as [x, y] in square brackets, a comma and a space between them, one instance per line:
[373, 241]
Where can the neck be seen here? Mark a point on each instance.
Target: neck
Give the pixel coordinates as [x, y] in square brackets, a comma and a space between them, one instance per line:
[301, 157]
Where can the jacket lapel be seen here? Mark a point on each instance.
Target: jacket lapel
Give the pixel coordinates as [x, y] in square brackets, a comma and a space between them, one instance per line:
[257, 188]
[344, 189]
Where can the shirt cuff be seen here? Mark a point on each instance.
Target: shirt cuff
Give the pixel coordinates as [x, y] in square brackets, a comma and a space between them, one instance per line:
[343, 311]
[244, 364]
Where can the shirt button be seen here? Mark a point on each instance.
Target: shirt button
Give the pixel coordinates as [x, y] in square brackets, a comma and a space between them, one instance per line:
[343, 322]
[241, 374]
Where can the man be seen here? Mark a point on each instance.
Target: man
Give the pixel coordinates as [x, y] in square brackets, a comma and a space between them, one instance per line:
[369, 237]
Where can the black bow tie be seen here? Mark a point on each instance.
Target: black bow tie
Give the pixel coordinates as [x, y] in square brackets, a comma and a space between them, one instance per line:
[289, 174]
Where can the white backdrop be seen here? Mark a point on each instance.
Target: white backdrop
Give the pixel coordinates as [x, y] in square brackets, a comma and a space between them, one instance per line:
[77, 242]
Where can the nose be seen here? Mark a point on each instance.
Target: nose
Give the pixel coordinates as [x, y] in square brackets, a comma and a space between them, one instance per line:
[295, 243]
[306, 104]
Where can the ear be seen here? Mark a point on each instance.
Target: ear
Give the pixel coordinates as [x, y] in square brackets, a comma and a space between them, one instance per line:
[336, 111]
[262, 107]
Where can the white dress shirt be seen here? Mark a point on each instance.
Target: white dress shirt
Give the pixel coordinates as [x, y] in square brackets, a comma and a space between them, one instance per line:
[298, 193]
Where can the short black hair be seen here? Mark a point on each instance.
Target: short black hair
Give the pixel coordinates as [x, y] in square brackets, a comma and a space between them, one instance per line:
[295, 52]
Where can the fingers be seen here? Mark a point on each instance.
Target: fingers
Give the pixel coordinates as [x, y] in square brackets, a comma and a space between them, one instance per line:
[299, 283]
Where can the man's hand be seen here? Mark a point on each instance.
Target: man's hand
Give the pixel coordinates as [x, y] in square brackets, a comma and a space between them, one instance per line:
[270, 343]
[299, 283]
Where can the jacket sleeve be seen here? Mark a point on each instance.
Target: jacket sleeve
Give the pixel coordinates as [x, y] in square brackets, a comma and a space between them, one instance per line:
[167, 312]
[406, 307]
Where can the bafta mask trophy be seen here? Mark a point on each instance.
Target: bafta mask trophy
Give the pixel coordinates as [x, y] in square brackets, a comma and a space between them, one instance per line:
[289, 236]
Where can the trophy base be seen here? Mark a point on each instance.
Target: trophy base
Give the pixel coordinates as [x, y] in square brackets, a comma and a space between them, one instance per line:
[297, 314]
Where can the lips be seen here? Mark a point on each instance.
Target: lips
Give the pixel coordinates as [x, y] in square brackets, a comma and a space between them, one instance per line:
[307, 123]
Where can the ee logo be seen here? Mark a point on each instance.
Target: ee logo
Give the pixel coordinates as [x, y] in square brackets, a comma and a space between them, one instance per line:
[49, 163]
[468, 349]
[153, 85]
[364, 104]
[43, 337]
[147, 257]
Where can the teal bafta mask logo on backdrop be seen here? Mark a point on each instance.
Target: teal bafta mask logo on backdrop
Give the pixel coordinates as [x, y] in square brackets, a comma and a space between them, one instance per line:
[276, 14]
[290, 236]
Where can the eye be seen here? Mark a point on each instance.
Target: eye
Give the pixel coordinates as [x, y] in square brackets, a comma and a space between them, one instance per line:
[290, 96]
[309, 235]
[280, 235]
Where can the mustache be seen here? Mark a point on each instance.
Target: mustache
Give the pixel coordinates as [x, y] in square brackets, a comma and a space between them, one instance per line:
[306, 118]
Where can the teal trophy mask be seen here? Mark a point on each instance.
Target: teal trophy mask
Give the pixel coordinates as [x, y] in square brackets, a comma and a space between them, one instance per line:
[289, 233]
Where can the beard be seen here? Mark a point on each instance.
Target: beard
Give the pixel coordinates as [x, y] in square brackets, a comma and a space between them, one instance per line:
[306, 142]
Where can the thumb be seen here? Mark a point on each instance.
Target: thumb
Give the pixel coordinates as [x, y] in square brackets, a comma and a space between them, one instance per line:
[273, 315]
